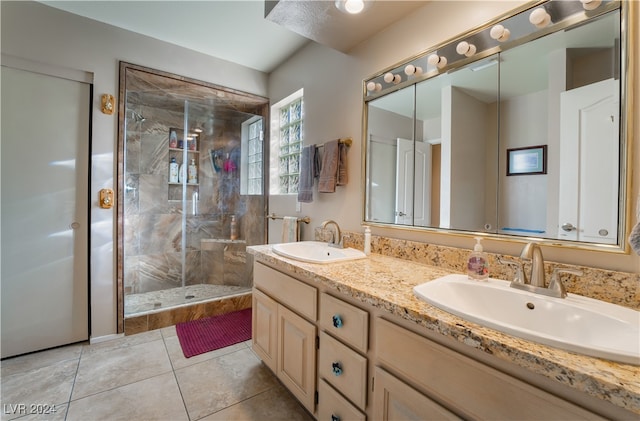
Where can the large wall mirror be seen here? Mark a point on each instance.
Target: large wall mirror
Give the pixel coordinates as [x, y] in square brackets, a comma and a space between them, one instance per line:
[525, 136]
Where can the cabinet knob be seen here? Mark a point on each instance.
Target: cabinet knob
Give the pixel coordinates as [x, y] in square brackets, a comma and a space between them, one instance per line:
[337, 368]
[568, 227]
[337, 321]
[335, 418]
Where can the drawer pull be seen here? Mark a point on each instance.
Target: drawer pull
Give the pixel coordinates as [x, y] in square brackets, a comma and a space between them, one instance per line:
[337, 368]
[335, 418]
[337, 321]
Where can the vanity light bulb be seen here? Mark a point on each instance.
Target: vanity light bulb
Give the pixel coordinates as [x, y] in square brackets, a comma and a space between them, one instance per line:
[378, 87]
[409, 69]
[465, 49]
[371, 86]
[499, 33]
[388, 77]
[540, 18]
[591, 4]
[418, 71]
[437, 61]
[397, 79]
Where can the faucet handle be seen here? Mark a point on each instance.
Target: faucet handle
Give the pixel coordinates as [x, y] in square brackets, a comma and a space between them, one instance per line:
[556, 283]
[520, 276]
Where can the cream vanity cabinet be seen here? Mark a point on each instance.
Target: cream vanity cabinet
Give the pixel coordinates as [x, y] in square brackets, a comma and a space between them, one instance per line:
[285, 336]
[422, 377]
[400, 372]
[284, 330]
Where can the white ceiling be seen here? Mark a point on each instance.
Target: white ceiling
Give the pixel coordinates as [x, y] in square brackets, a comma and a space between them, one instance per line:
[236, 30]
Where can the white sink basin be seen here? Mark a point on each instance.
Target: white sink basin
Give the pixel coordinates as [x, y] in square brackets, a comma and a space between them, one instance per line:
[579, 324]
[316, 252]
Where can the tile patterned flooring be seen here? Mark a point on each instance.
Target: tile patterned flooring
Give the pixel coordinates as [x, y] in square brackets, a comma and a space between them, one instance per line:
[144, 377]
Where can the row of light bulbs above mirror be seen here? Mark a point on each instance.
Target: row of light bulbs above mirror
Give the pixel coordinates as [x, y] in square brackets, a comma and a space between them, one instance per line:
[538, 17]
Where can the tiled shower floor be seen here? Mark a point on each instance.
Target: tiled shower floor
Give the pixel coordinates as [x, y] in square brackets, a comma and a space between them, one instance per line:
[138, 304]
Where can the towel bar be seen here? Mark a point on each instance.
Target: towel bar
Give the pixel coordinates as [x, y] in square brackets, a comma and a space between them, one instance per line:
[304, 219]
[347, 141]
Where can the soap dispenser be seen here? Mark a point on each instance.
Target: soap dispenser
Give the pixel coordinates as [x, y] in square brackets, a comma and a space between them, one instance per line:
[478, 263]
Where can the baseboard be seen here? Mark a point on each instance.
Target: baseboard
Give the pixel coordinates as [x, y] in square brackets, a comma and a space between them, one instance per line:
[105, 338]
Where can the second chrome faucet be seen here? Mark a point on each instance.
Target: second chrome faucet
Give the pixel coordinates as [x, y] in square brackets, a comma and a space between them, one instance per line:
[535, 282]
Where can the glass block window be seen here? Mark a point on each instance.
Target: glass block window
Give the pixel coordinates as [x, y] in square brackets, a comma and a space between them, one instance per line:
[254, 158]
[291, 129]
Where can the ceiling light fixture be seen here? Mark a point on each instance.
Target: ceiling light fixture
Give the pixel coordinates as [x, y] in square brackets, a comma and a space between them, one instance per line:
[352, 7]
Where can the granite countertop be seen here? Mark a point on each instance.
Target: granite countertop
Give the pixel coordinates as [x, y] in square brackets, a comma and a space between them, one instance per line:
[387, 283]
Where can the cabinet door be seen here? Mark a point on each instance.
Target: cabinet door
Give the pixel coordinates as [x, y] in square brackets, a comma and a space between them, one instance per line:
[264, 328]
[395, 400]
[296, 366]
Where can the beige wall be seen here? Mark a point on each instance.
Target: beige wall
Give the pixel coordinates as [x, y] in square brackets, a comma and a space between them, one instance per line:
[332, 84]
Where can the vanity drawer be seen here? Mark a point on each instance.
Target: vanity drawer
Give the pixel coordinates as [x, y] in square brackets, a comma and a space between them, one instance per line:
[331, 405]
[463, 385]
[343, 368]
[296, 295]
[344, 321]
[395, 400]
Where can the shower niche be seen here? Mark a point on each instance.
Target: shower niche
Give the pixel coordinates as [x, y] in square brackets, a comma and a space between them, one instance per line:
[183, 167]
[175, 245]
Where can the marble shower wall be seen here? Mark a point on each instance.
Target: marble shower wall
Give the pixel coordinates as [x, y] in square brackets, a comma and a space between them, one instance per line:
[153, 222]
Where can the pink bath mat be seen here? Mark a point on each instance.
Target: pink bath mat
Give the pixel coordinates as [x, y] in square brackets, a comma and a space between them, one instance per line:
[211, 333]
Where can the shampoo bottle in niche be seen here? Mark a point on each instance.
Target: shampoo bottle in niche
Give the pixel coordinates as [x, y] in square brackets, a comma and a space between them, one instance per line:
[173, 139]
[193, 173]
[173, 171]
[478, 263]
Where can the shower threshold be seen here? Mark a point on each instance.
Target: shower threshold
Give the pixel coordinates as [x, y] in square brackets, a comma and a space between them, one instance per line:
[153, 301]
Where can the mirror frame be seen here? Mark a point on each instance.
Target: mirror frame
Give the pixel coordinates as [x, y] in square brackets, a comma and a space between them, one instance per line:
[629, 70]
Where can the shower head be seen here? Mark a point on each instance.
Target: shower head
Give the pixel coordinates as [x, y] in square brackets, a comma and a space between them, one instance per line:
[137, 117]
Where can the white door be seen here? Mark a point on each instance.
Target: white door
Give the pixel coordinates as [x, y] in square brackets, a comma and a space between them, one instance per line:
[422, 185]
[404, 182]
[588, 202]
[413, 187]
[45, 182]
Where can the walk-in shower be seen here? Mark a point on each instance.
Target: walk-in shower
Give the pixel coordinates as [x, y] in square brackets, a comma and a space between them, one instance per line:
[191, 191]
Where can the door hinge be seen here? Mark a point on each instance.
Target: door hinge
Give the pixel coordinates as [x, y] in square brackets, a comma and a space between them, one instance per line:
[317, 342]
[373, 384]
[315, 397]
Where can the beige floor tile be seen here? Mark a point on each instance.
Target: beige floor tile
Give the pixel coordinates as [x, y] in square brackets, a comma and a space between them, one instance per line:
[215, 384]
[275, 404]
[168, 332]
[108, 369]
[178, 360]
[40, 359]
[48, 385]
[157, 398]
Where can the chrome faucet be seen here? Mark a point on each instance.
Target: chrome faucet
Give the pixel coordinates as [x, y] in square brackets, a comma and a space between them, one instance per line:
[533, 253]
[336, 238]
[535, 281]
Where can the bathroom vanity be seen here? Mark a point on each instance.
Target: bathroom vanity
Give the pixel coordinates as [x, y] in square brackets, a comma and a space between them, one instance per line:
[351, 341]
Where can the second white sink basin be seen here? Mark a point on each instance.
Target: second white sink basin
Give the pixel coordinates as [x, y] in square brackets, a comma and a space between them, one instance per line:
[316, 252]
[576, 323]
